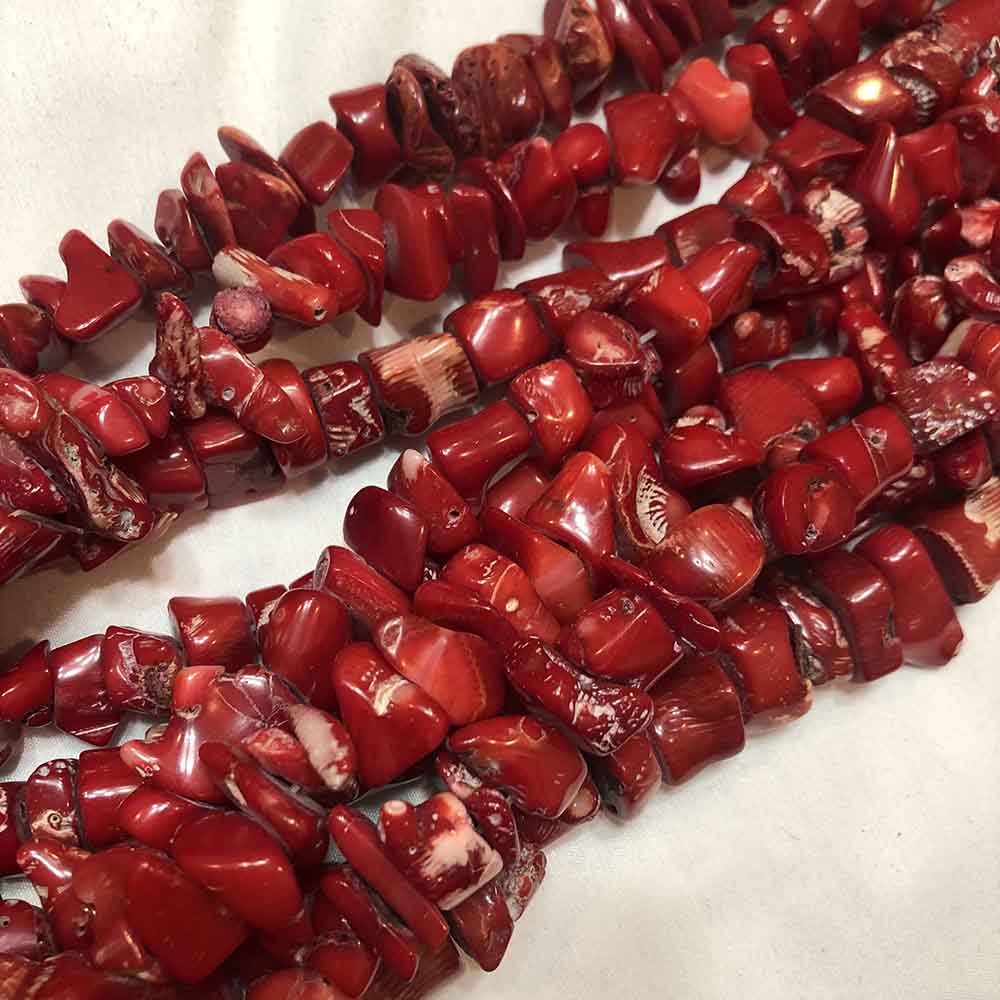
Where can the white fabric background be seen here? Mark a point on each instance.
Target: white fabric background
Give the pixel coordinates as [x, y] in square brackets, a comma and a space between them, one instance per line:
[853, 853]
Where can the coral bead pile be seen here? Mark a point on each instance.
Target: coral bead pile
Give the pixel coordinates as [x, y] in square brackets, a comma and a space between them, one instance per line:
[652, 500]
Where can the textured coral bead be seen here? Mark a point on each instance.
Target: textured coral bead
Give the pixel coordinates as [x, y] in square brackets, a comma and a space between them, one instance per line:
[788, 408]
[100, 293]
[147, 398]
[501, 334]
[421, 380]
[310, 451]
[560, 298]
[794, 256]
[367, 594]
[213, 630]
[545, 58]
[757, 650]
[862, 599]
[345, 402]
[600, 717]
[587, 44]
[923, 615]
[262, 207]
[389, 533]
[48, 803]
[509, 100]
[961, 538]
[139, 669]
[28, 341]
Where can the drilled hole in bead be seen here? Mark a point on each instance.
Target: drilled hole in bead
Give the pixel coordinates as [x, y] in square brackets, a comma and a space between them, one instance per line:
[454, 514]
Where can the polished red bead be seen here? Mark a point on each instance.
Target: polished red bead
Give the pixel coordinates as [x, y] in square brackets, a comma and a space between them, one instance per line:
[805, 507]
[461, 672]
[389, 533]
[179, 233]
[482, 926]
[26, 932]
[764, 189]
[630, 261]
[965, 464]
[360, 232]
[923, 615]
[82, 704]
[694, 453]
[26, 688]
[504, 585]
[622, 637]
[545, 57]
[319, 259]
[525, 757]
[584, 150]
[147, 398]
[722, 274]
[922, 315]
[510, 225]
[112, 423]
[886, 188]
[422, 379]
[10, 838]
[697, 718]
[299, 636]
[668, 303]
[763, 407]
[154, 817]
[862, 599]
[207, 203]
[555, 404]
[754, 66]
[146, 259]
[292, 983]
[723, 106]
[632, 42]
[473, 215]
[757, 651]
[28, 341]
[104, 782]
[417, 265]
[714, 555]
[367, 594]
[643, 134]
[392, 722]
[359, 842]
[501, 333]
[469, 453]
[545, 191]
[310, 451]
[793, 254]
[860, 100]
[100, 293]
[362, 115]
[578, 508]
[169, 473]
[317, 156]
[177, 360]
[880, 357]
[556, 573]
[213, 630]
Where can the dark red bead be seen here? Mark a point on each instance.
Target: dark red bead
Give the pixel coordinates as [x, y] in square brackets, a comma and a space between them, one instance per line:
[213, 630]
[363, 117]
[389, 533]
[82, 703]
[346, 406]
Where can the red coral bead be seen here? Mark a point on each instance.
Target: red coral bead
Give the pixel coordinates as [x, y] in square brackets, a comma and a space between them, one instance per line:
[545, 191]
[389, 533]
[861, 99]
[175, 227]
[643, 134]
[722, 105]
[923, 615]
[146, 259]
[362, 115]
[697, 718]
[82, 703]
[213, 630]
